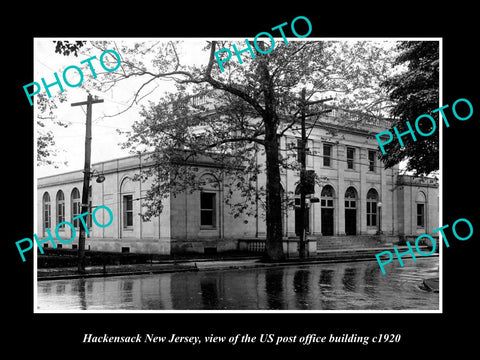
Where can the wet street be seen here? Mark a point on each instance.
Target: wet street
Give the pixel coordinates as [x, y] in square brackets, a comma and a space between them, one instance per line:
[343, 286]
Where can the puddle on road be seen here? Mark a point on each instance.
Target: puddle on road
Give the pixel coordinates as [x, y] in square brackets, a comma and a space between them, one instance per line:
[343, 286]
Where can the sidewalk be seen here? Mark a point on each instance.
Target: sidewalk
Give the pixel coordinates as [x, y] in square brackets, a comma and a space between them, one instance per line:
[168, 266]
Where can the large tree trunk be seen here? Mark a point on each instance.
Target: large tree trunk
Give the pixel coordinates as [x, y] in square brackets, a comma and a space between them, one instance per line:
[273, 245]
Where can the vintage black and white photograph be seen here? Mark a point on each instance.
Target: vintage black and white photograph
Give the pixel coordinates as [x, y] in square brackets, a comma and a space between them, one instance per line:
[261, 174]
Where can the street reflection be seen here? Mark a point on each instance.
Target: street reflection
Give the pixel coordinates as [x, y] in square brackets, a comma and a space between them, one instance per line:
[300, 287]
[274, 288]
[348, 279]
[209, 293]
[370, 277]
[325, 288]
[126, 287]
[343, 286]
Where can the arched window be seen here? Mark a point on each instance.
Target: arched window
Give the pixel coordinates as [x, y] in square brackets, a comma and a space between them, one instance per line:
[46, 211]
[76, 207]
[60, 208]
[127, 192]
[351, 198]
[421, 200]
[327, 196]
[372, 200]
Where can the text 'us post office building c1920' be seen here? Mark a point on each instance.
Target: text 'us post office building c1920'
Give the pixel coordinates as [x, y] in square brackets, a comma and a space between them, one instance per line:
[360, 203]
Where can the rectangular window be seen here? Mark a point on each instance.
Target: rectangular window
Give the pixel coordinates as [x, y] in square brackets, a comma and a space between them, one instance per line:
[372, 155]
[327, 155]
[420, 215]
[127, 211]
[207, 209]
[350, 157]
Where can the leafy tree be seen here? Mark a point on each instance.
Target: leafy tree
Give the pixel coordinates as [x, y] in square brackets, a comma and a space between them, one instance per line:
[415, 92]
[255, 103]
[68, 47]
[46, 108]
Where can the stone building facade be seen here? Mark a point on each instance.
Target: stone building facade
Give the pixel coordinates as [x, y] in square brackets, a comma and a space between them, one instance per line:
[360, 203]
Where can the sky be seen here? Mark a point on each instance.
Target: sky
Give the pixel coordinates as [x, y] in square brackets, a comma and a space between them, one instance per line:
[70, 141]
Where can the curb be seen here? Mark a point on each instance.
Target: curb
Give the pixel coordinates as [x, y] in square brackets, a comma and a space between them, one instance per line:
[364, 256]
[112, 274]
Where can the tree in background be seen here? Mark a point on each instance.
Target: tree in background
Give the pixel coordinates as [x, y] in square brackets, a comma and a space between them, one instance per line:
[256, 102]
[415, 92]
[46, 112]
[68, 47]
[47, 108]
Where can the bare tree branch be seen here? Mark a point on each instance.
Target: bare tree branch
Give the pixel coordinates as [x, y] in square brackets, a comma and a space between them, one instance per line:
[233, 90]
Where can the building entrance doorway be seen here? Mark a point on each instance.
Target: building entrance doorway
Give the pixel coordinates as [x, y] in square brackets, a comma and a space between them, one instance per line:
[350, 221]
[351, 211]
[327, 210]
[327, 222]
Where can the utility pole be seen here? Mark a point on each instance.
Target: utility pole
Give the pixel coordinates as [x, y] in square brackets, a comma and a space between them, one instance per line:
[303, 169]
[303, 166]
[86, 177]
